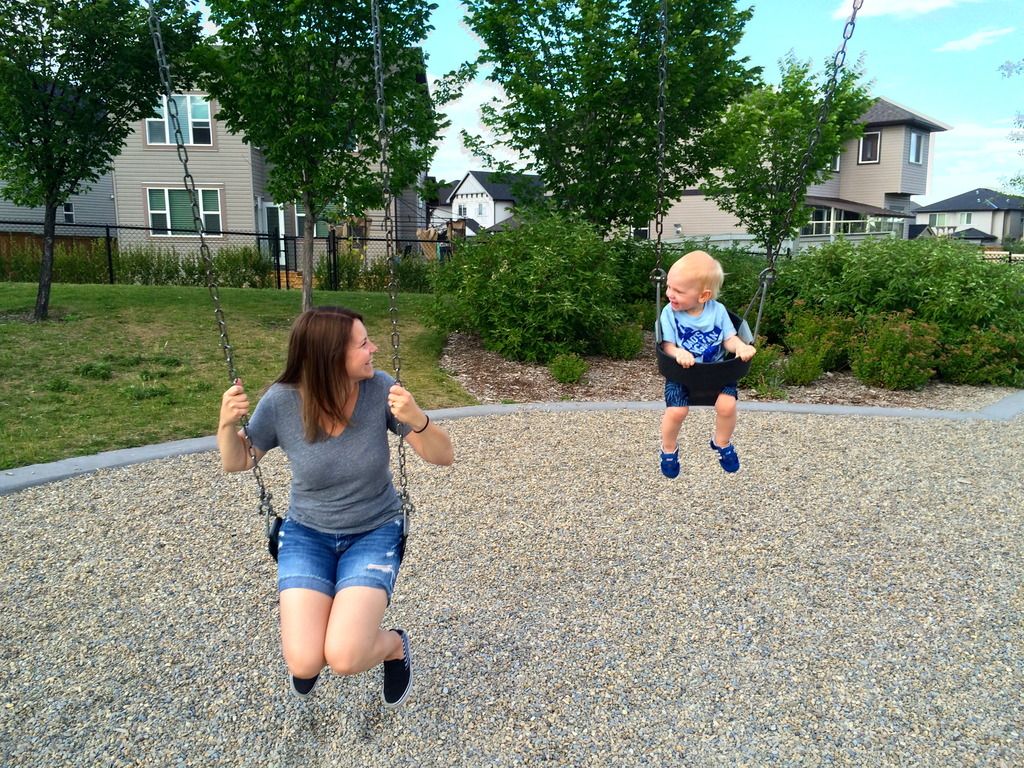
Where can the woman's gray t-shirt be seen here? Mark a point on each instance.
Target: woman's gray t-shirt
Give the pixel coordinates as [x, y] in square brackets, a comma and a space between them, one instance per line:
[342, 484]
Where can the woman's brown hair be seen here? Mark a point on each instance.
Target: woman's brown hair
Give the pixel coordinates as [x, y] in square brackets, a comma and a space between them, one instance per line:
[316, 366]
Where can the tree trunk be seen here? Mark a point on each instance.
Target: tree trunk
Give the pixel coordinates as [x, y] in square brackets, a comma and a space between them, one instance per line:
[46, 267]
[306, 262]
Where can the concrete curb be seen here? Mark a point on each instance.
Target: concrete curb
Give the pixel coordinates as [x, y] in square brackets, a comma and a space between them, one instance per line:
[13, 480]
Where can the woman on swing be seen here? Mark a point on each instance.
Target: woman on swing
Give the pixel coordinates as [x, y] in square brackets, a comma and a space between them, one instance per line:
[340, 547]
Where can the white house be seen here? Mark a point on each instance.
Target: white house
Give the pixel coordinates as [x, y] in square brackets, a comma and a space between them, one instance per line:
[487, 197]
[984, 210]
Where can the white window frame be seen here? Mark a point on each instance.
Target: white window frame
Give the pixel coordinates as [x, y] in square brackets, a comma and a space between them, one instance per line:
[299, 217]
[878, 148]
[166, 210]
[916, 143]
[835, 162]
[965, 218]
[189, 124]
[69, 213]
[937, 220]
[461, 211]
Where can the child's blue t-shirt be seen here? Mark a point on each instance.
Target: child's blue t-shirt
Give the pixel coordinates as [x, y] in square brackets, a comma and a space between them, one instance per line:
[701, 335]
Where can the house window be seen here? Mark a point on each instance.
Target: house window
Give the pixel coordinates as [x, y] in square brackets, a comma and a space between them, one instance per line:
[69, 213]
[170, 212]
[916, 148]
[869, 145]
[319, 230]
[678, 229]
[462, 211]
[835, 164]
[194, 116]
[479, 209]
[936, 219]
[641, 233]
[965, 218]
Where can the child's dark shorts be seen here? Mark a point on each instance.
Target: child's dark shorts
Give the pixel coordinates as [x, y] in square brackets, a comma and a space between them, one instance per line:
[678, 396]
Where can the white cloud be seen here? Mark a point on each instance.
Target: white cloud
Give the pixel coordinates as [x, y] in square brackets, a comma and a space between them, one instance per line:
[452, 160]
[971, 156]
[977, 40]
[896, 7]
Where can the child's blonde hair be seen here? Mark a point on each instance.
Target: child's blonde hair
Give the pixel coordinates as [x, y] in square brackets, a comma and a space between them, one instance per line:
[703, 267]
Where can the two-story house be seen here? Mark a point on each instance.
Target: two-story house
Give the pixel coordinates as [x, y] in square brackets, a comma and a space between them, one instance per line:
[991, 215]
[93, 205]
[231, 177]
[868, 192]
[488, 198]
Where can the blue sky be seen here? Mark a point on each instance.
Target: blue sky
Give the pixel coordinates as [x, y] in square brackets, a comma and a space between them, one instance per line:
[937, 57]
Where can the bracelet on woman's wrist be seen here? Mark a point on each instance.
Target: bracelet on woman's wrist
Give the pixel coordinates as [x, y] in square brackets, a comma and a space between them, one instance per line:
[421, 429]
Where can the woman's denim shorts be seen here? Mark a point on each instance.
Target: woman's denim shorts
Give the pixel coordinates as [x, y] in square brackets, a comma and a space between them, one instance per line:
[330, 562]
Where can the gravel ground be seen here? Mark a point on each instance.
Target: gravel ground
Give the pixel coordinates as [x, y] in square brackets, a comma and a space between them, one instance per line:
[852, 597]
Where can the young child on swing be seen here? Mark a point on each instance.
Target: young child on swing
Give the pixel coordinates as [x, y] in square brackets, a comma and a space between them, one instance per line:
[696, 329]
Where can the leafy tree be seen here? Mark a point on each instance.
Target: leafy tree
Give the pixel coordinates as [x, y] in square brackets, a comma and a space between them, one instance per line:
[74, 77]
[1009, 69]
[764, 139]
[580, 79]
[297, 80]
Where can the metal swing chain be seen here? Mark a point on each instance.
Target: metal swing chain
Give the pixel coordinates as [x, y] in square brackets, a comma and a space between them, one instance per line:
[385, 171]
[658, 275]
[266, 507]
[767, 275]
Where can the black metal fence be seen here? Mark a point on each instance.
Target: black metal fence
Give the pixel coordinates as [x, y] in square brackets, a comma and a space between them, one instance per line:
[113, 253]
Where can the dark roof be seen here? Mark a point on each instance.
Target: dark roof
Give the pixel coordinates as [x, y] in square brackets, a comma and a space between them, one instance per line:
[850, 205]
[976, 200]
[918, 230]
[973, 234]
[502, 186]
[510, 223]
[884, 112]
[444, 192]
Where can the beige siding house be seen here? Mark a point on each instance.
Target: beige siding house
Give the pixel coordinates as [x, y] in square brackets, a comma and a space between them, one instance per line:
[231, 177]
[149, 189]
[868, 194]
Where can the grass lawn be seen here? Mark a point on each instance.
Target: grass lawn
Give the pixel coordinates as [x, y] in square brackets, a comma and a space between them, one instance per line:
[118, 366]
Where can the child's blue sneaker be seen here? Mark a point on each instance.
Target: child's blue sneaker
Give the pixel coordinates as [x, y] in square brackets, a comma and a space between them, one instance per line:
[727, 457]
[670, 463]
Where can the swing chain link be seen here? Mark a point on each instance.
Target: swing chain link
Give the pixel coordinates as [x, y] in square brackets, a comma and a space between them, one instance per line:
[389, 244]
[266, 505]
[826, 104]
[658, 276]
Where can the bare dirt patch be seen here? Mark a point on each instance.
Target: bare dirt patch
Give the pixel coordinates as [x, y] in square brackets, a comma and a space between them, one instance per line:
[492, 379]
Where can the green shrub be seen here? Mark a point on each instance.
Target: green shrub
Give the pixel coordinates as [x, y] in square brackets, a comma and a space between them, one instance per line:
[816, 343]
[350, 268]
[530, 293]
[940, 280]
[567, 368]
[895, 351]
[621, 342]
[984, 356]
[85, 261]
[765, 374]
[804, 366]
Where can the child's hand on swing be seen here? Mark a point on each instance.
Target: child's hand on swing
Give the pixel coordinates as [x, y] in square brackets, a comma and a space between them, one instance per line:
[745, 352]
[685, 359]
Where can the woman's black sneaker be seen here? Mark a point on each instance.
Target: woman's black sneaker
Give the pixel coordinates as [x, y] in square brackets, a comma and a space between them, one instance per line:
[303, 686]
[398, 675]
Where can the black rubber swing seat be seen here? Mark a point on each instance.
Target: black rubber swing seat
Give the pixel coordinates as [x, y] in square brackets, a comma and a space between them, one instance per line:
[704, 381]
